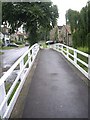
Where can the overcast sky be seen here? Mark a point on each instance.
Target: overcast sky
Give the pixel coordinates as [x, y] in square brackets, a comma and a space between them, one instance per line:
[64, 5]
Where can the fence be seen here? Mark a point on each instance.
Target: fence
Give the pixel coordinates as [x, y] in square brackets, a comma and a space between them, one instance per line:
[8, 97]
[80, 59]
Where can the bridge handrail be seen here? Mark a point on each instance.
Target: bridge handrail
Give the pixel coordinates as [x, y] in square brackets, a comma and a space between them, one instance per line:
[5, 76]
[5, 108]
[65, 50]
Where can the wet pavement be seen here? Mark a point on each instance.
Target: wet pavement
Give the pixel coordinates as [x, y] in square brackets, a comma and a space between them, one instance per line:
[56, 90]
[8, 59]
[10, 56]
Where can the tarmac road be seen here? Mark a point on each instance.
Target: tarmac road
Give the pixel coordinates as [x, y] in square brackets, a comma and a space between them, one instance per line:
[10, 56]
[56, 90]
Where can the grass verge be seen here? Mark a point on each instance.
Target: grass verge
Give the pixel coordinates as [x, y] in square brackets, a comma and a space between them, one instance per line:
[83, 49]
[81, 57]
[11, 96]
[8, 48]
[1, 53]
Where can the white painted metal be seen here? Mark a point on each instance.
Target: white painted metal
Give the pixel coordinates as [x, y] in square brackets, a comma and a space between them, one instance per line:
[5, 110]
[71, 55]
[29, 57]
[21, 66]
[89, 67]
[67, 52]
[74, 56]
[3, 95]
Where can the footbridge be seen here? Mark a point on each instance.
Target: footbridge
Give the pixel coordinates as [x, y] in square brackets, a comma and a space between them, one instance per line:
[50, 83]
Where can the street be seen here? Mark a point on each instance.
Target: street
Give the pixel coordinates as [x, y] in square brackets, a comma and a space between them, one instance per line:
[10, 56]
[8, 59]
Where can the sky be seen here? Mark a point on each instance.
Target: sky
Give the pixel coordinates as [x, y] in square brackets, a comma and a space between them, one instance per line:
[64, 5]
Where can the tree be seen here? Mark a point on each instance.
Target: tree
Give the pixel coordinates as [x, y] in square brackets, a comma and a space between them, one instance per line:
[32, 15]
[88, 40]
[72, 19]
[56, 34]
[80, 26]
[88, 24]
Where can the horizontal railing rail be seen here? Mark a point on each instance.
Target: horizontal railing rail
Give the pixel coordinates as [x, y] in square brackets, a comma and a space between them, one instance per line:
[78, 58]
[8, 97]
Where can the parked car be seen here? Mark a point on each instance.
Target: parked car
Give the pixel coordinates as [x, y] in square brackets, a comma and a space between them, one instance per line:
[26, 44]
[56, 42]
[13, 45]
[49, 42]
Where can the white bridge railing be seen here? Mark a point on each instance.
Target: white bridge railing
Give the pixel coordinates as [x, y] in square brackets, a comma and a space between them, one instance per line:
[80, 59]
[8, 97]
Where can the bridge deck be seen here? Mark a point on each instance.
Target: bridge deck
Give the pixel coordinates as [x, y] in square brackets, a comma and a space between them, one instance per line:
[56, 90]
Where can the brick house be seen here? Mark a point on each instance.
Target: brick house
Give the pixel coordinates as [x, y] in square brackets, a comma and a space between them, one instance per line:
[54, 34]
[65, 34]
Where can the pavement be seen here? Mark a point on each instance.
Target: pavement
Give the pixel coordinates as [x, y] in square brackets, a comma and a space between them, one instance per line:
[57, 90]
[10, 56]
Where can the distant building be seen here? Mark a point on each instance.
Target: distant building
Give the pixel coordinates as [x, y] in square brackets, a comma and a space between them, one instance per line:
[6, 38]
[5, 35]
[19, 34]
[65, 35]
[59, 32]
[54, 34]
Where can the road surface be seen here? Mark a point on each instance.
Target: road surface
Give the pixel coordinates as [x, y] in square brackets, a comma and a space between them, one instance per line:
[10, 56]
[56, 89]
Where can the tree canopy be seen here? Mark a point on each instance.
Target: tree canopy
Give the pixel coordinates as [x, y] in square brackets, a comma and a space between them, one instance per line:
[33, 15]
[80, 26]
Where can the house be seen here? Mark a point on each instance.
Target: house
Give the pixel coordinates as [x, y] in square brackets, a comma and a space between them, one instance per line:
[54, 34]
[59, 32]
[19, 34]
[5, 35]
[65, 35]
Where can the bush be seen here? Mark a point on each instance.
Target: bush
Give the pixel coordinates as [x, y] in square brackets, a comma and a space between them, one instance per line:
[88, 40]
[19, 43]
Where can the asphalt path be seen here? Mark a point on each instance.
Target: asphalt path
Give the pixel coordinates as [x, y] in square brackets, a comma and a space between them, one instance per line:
[10, 56]
[56, 90]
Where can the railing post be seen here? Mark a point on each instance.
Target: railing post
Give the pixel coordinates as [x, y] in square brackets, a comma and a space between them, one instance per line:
[62, 49]
[21, 66]
[33, 52]
[89, 67]
[75, 57]
[29, 59]
[54, 46]
[67, 52]
[2, 96]
[57, 46]
[37, 49]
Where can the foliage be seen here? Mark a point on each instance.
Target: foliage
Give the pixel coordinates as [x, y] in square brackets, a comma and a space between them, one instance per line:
[33, 15]
[19, 42]
[88, 39]
[56, 34]
[80, 26]
[72, 19]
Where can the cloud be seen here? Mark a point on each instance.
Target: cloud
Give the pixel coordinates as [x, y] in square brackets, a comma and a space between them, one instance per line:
[64, 5]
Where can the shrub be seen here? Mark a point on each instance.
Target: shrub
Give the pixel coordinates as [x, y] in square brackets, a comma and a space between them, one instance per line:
[19, 43]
